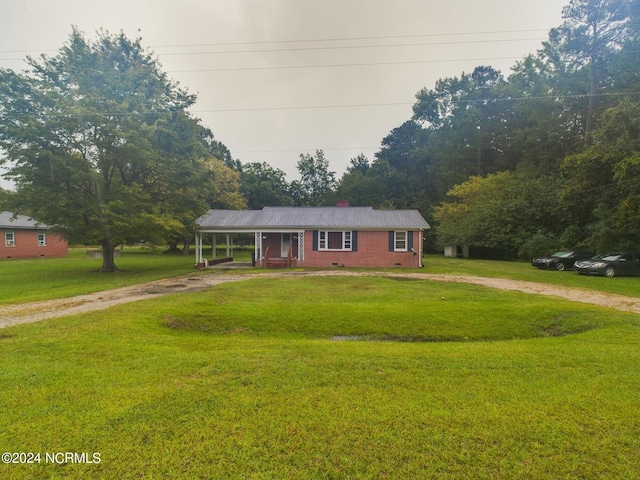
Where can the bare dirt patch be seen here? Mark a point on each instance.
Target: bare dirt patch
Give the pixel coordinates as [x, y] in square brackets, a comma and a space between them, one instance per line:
[36, 311]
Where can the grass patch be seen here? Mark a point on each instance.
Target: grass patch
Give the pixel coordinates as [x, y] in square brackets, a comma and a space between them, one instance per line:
[438, 264]
[375, 309]
[283, 401]
[49, 278]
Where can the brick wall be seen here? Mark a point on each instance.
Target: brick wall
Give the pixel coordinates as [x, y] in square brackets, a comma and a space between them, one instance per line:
[373, 251]
[26, 245]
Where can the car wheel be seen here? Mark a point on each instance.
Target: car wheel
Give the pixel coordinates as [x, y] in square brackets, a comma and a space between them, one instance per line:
[560, 267]
[610, 272]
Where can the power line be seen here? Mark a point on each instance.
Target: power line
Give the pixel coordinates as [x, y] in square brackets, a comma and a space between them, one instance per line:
[302, 107]
[320, 107]
[452, 102]
[338, 65]
[293, 67]
[298, 67]
[337, 39]
[350, 47]
[294, 150]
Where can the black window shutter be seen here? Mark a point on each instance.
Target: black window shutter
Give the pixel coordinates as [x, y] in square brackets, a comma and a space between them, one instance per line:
[315, 240]
[409, 240]
[354, 241]
[391, 241]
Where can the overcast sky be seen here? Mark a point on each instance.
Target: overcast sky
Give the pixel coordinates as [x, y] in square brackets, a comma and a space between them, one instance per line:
[277, 78]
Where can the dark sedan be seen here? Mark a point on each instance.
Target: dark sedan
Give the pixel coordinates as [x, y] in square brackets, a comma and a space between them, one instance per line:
[560, 260]
[610, 264]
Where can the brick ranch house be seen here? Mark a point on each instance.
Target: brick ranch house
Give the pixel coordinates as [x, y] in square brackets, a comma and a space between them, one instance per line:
[22, 237]
[320, 236]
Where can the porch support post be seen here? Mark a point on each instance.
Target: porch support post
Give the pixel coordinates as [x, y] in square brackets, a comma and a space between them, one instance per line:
[420, 247]
[214, 247]
[198, 247]
[228, 246]
[258, 246]
[301, 246]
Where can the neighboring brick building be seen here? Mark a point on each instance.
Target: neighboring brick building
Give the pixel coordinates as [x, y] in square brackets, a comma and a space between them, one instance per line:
[322, 236]
[22, 237]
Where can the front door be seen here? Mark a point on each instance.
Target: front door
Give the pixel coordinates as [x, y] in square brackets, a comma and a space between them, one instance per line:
[285, 244]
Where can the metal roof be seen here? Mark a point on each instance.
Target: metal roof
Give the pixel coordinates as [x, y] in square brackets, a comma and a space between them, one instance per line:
[311, 218]
[20, 222]
[229, 218]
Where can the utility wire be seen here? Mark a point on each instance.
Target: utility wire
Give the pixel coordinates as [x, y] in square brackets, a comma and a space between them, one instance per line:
[290, 150]
[316, 40]
[318, 107]
[337, 39]
[340, 47]
[349, 47]
[449, 102]
[339, 65]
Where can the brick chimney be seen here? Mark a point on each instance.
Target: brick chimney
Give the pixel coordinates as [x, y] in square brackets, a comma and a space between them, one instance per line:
[342, 203]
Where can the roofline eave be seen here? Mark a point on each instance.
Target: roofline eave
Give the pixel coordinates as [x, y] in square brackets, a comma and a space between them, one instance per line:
[293, 229]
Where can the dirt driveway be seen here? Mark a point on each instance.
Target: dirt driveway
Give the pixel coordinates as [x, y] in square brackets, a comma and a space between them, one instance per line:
[36, 311]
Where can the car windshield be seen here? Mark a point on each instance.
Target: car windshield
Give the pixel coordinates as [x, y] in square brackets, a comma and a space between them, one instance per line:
[609, 257]
[562, 254]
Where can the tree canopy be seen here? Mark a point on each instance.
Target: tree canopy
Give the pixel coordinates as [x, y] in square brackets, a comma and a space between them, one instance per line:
[316, 181]
[263, 185]
[100, 144]
[544, 157]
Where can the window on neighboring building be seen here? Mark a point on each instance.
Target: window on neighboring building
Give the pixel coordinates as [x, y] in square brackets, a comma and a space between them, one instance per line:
[329, 240]
[42, 239]
[400, 242]
[10, 238]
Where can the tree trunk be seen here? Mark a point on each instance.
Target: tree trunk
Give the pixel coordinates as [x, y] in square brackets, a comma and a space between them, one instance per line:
[185, 249]
[108, 257]
[173, 247]
[592, 87]
[590, 107]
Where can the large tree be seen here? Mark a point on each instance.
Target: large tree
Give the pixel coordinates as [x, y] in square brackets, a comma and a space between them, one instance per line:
[601, 189]
[100, 144]
[316, 181]
[226, 191]
[583, 46]
[466, 117]
[262, 185]
[501, 211]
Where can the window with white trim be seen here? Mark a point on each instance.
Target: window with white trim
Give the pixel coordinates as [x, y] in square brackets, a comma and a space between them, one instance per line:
[334, 240]
[42, 239]
[400, 241]
[9, 238]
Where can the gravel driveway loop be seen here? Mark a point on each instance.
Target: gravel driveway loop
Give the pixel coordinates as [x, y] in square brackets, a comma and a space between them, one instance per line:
[36, 311]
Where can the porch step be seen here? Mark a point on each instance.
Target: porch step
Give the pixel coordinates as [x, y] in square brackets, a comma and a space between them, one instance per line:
[278, 263]
[220, 260]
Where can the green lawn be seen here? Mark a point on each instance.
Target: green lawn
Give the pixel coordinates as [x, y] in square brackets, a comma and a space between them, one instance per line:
[48, 278]
[42, 279]
[248, 380]
[524, 271]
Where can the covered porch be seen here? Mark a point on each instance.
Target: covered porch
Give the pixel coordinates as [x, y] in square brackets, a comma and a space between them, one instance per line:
[271, 248]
